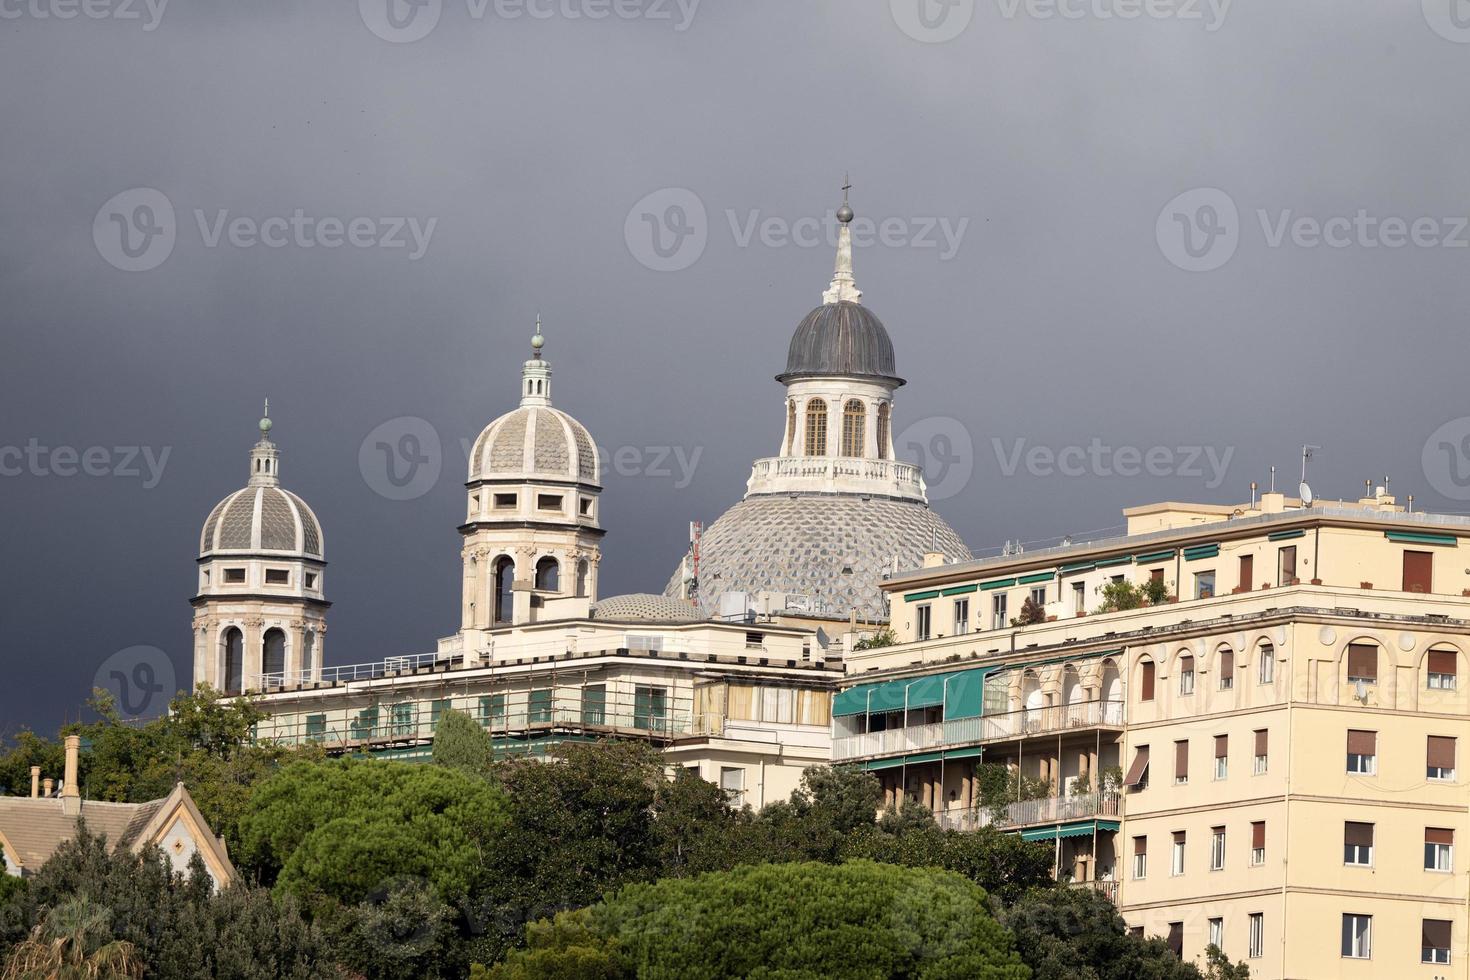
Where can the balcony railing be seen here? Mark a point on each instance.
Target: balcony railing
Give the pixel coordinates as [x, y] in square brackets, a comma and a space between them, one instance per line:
[987, 728]
[1107, 889]
[779, 474]
[1026, 813]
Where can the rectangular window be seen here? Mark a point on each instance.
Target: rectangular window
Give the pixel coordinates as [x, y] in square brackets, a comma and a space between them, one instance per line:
[1222, 756]
[1357, 844]
[1140, 858]
[1227, 670]
[585, 504]
[316, 727]
[1176, 865]
[1181, 762]
[1257, 946]
[1262, 748]
[732, 781]
[505, 501]
[1439, 758]
[1146, 681]
[1247, 571]
[650, 708]
[235, 576]
[1418, 571]
[492, 709]
[1435, 941]
[961, 617]
[1186, 675]
[1217, 933]
[924, 617]
[403, 723]
[998, 612]
[1079, 598]
[277, 576]
[1362, 752]
[538, 706]
[1204, 584]
[1286, 565]
[1357, 936]
[1258, 842]
[1137, 775]
[1441, 670]
[1217, 848]
[1176, 939]
[1266, 671]
[1038, 595]
[437, 708]
[1362, 661]
[594, 704]
[311, 580]
[755, 641]
[1439, 849]
[548, 501]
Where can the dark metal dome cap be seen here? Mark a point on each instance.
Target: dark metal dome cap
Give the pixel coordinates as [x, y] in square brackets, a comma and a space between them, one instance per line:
[841, 338]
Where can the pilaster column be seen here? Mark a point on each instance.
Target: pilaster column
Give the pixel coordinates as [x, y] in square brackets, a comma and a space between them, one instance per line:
[251, 668]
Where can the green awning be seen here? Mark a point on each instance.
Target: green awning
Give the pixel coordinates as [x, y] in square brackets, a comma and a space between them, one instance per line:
[1000, 583]
[973, 752]
[1154, 556]
[960, 590]
[1286, 535]
[1081, 566]
[1201, 551]
[1115, 560]
[1038, 577]
[1419, 537]
[1083, 828]
[960, 691]
[916, 596]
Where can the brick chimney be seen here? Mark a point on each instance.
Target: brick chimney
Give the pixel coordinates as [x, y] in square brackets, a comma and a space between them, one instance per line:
[35, 782]
[71, 796]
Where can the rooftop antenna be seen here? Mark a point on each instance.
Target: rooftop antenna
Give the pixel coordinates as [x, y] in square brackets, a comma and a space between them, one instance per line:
[1253, 495]
[1273, 479]
[1304, 491]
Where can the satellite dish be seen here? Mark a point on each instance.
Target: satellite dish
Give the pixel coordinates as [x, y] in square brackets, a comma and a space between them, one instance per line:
[1305, 492]
[823, 640]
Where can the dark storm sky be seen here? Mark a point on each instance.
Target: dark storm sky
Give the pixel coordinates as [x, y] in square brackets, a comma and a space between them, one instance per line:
[1064, 313]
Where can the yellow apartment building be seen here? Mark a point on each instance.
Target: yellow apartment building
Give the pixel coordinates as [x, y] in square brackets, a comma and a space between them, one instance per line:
[1286, 721]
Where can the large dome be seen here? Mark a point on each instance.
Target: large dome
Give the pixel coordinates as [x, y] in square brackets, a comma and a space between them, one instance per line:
[644, 607]
[262, 519]
[832, 548]
[531, 442]
[840, 338]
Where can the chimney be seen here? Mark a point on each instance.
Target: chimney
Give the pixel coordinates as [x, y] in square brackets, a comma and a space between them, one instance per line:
[69, 790]
[35, 782]
[46, 787]
[933, 559]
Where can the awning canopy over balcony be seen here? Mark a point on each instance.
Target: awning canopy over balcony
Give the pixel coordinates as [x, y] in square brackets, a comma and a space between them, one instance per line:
[960, 692]
[973, 752]
[1084, 828]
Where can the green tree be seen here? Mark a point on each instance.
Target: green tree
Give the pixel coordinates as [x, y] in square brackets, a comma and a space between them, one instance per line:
[462, 743]
[1077, 934]
[882, 637]
[73, 942]
[1121, 595]
[1003, 864]
[1219, 967]
[795, 921]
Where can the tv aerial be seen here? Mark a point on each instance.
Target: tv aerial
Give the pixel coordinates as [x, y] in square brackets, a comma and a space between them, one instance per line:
[1304, 491]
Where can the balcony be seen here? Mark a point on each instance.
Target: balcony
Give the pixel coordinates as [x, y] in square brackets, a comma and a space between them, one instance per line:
[1107, 889]
[1027, 813]
[1051, 720]
[833, 474]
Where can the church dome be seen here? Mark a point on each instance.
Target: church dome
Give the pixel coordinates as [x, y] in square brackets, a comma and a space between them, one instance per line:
[840, 338]
[260, 520]
[644, 607]
[535, 441]
[827, 551]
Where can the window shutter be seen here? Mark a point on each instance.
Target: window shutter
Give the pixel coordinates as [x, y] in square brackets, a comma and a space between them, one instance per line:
[1222, 746]
[1227, 663]
[1261, 742]
[1247, 572]
[1363, 661]
[1186, 663]
[1139, 767]
[1176, 938]
[1442, 662]
[1441, 752]
[1362, 743]
[1258, 834]
[1357, 834]
[1140, 845]
[1181, 760]
[1179, 837]
[1147, 681]
[1418, 571]
[1438, 835]
[1437, 933]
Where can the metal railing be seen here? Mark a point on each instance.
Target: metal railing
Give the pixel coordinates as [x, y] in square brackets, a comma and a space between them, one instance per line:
[347, 672]
[1025, 813]
[986, 728]
[1107, 889]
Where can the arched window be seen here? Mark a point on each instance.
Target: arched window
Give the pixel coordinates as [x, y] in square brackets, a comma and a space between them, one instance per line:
[1112, 684]
[790, 426]
[582, 577]
[505, 572]
[816, 427]
[883, 431]
[234, 644]
[273, 658]
[548, 574]
[853, 417]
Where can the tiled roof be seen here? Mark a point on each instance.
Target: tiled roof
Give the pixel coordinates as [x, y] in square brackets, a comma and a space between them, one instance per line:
[37, 827]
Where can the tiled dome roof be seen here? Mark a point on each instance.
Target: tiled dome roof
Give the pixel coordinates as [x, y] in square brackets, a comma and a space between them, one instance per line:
[534, 441]
[645, 607]
[262, 519]
[834, 548]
